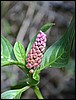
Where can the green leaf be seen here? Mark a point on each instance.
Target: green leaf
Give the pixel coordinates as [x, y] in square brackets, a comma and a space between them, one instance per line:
[44, 28]
[7, 55]
[13, 94]
[36, 75]
[19, 52]
[58, 54]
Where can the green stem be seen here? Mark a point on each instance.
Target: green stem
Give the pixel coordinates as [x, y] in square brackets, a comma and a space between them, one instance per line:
[37, 92]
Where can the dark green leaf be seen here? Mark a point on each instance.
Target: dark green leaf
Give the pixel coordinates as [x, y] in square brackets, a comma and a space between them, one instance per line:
[36, 75]
[44, 28]
[19, 52]
[13, 94]
[58, 54]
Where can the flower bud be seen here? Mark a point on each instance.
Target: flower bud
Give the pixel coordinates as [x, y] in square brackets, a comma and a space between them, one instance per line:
[31, 71]
[35, 55]
[36, 64]
[29, 65]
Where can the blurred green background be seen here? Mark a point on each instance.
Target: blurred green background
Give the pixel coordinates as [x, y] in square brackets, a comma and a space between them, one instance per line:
[20, 20]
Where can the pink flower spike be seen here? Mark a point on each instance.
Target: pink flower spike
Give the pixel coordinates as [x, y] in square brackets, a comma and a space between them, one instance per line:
[35, 55]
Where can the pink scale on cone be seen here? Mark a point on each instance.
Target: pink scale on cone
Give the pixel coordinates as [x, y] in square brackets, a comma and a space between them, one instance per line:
[36, 65]
[29, 65]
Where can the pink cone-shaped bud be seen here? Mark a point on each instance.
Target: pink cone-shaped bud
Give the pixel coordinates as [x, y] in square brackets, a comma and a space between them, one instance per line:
[35, 55]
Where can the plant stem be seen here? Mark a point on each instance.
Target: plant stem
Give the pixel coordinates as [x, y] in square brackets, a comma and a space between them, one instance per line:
[37, 92]
[25, 88]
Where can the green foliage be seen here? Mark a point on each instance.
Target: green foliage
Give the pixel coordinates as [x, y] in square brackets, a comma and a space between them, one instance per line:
[13, 94]
[7, 55]
[45, 27]
[58, 54]
[19, 52]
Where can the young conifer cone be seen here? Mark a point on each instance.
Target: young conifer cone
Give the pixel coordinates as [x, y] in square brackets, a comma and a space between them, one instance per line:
[35, 55]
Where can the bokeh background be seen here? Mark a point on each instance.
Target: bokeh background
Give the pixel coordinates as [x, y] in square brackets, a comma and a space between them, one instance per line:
[20, 20]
